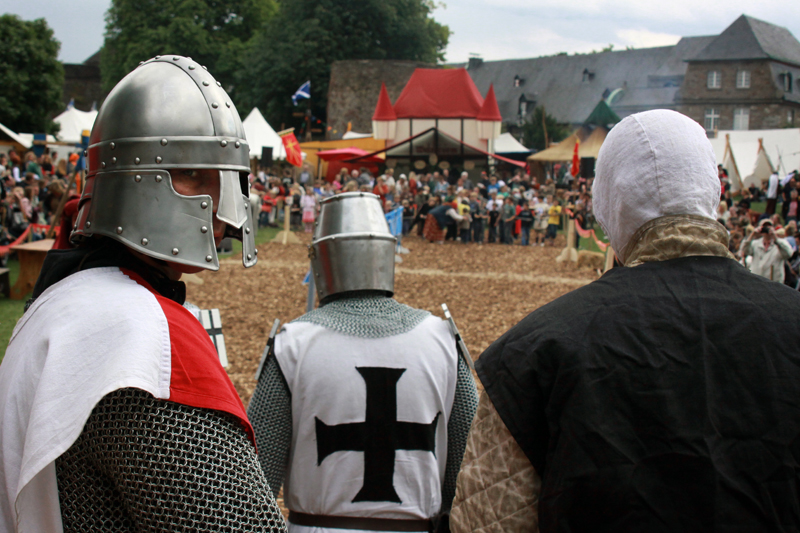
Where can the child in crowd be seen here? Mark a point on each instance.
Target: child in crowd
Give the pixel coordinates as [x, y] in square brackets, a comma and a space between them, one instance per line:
[525, 216]
[540, 220]
[553, 214]
[463, 225]
[478, 213]
[408, 216]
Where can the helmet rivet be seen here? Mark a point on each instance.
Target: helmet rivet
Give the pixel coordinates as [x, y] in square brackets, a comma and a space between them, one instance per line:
[219, 84]
[158, 57]
[203, 204]
[137, 160]
[119, 230]
[85, 153]
[158, 159]
[255, 251]
[208, 258]
[215, 105]
[205, 67]
[205, 84]
[74, 226]
[223, 143]
[88, 224]
[175, 251]
[158, 179]
[103, 164]
[228, 104]
[113, 145]
[114, 160]
[141, 63]
[164, 142]
[137, 178]
[145, 242]
[249, 257]
[175, 58]
[204, 229]
[191, 67]
[237, 144]
[247, 230]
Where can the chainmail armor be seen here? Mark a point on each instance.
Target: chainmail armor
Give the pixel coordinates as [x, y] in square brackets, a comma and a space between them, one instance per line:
[270, 413]
[148, 465]
[366, 317]
[465, 404]
[270, 409]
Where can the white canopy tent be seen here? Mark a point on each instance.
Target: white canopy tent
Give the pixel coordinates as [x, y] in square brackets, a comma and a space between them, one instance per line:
[73, 122]
[260, 134]
[507, 144]
[782, 149]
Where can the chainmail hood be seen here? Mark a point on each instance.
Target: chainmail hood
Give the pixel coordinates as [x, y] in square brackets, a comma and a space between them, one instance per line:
[367, 317]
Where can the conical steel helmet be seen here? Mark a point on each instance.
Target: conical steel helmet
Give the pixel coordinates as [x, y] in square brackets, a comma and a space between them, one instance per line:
[169, 113]
[353, 249]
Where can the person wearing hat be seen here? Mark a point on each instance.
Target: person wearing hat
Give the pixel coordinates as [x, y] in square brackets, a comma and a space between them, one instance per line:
[664, 396]
[363, 405]
[115, 413]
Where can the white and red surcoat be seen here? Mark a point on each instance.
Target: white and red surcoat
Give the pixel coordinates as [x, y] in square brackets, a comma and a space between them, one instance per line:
[90, 334]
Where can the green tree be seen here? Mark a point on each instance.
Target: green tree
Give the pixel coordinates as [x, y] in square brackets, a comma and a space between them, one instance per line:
[302, 41]
[215, 33]
[31, 77]
[533, 130]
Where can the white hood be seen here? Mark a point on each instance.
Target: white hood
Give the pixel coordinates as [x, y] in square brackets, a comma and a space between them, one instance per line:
[653, 164]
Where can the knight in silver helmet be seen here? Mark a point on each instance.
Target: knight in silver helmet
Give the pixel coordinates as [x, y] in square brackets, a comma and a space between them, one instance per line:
[362, 406]
[116, 414]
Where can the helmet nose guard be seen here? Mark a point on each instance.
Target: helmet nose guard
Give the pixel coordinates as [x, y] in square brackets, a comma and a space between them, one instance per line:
[169, 113]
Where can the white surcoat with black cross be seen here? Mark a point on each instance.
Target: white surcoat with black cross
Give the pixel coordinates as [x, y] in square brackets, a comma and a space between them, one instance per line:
[369, 420]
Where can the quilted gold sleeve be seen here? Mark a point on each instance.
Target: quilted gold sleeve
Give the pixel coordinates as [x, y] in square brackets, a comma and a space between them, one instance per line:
[497, 488]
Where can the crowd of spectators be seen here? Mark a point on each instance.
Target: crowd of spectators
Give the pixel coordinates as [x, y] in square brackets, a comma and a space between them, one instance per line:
[764, 240]
[516, 209]
[31, 188]
[508, 210]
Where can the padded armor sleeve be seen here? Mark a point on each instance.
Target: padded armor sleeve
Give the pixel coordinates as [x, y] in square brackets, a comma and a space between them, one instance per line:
[143, 464]
[465, 404]
[270, 412]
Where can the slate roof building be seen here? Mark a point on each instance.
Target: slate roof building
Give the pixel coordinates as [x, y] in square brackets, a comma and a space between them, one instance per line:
[756, 65]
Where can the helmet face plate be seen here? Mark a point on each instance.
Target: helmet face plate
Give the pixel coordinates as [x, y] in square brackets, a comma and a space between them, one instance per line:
[353, 249]
[169, 113]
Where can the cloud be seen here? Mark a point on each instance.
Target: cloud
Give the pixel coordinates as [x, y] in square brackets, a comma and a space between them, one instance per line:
[643, 38]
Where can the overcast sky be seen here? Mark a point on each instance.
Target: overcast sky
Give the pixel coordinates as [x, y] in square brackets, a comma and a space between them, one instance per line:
[494, 29]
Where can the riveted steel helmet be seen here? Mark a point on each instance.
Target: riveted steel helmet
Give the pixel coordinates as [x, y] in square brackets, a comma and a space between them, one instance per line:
[353, 249]
[169, 113]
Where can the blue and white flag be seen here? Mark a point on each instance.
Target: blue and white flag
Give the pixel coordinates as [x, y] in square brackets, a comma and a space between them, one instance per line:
[303, 92]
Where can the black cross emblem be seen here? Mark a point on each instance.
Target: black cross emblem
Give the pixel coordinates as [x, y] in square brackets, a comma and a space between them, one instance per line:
[378, 436]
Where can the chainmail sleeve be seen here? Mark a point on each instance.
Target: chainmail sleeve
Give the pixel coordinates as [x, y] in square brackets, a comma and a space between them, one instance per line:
[465, 404]
[270, 412]
[147, 465]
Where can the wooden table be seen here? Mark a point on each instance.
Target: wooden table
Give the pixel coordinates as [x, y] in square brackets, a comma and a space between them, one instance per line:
[31, 257]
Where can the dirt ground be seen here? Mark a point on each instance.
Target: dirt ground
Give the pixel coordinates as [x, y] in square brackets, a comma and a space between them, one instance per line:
[488, 289]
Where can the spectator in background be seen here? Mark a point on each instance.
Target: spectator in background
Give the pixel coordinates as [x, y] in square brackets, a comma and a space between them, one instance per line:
[767, 252]
[464, 225]
[790, 208]
[308, 202]
[526, 218]
[509, 215]
[553, 216]
[32, 165]
[772, 194]
[381, 189]
[493, 207]
[478, 213]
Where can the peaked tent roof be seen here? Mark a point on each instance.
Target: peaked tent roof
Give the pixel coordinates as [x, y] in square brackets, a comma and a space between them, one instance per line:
[591, 141]
[384, 109]
[507, 144]
[260, 134]
[750, 38]
[489, 111]
[12, 136]
[602, 115]
[73, 121]
[439, 93]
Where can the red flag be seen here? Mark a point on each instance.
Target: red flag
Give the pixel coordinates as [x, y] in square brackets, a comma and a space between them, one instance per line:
[293, 154]
[576, 160]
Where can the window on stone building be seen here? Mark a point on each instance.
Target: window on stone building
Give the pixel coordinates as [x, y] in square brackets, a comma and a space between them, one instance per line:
[743, 79]
[741, 118]
[785, 79]
[714, 79]
[712, 119]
